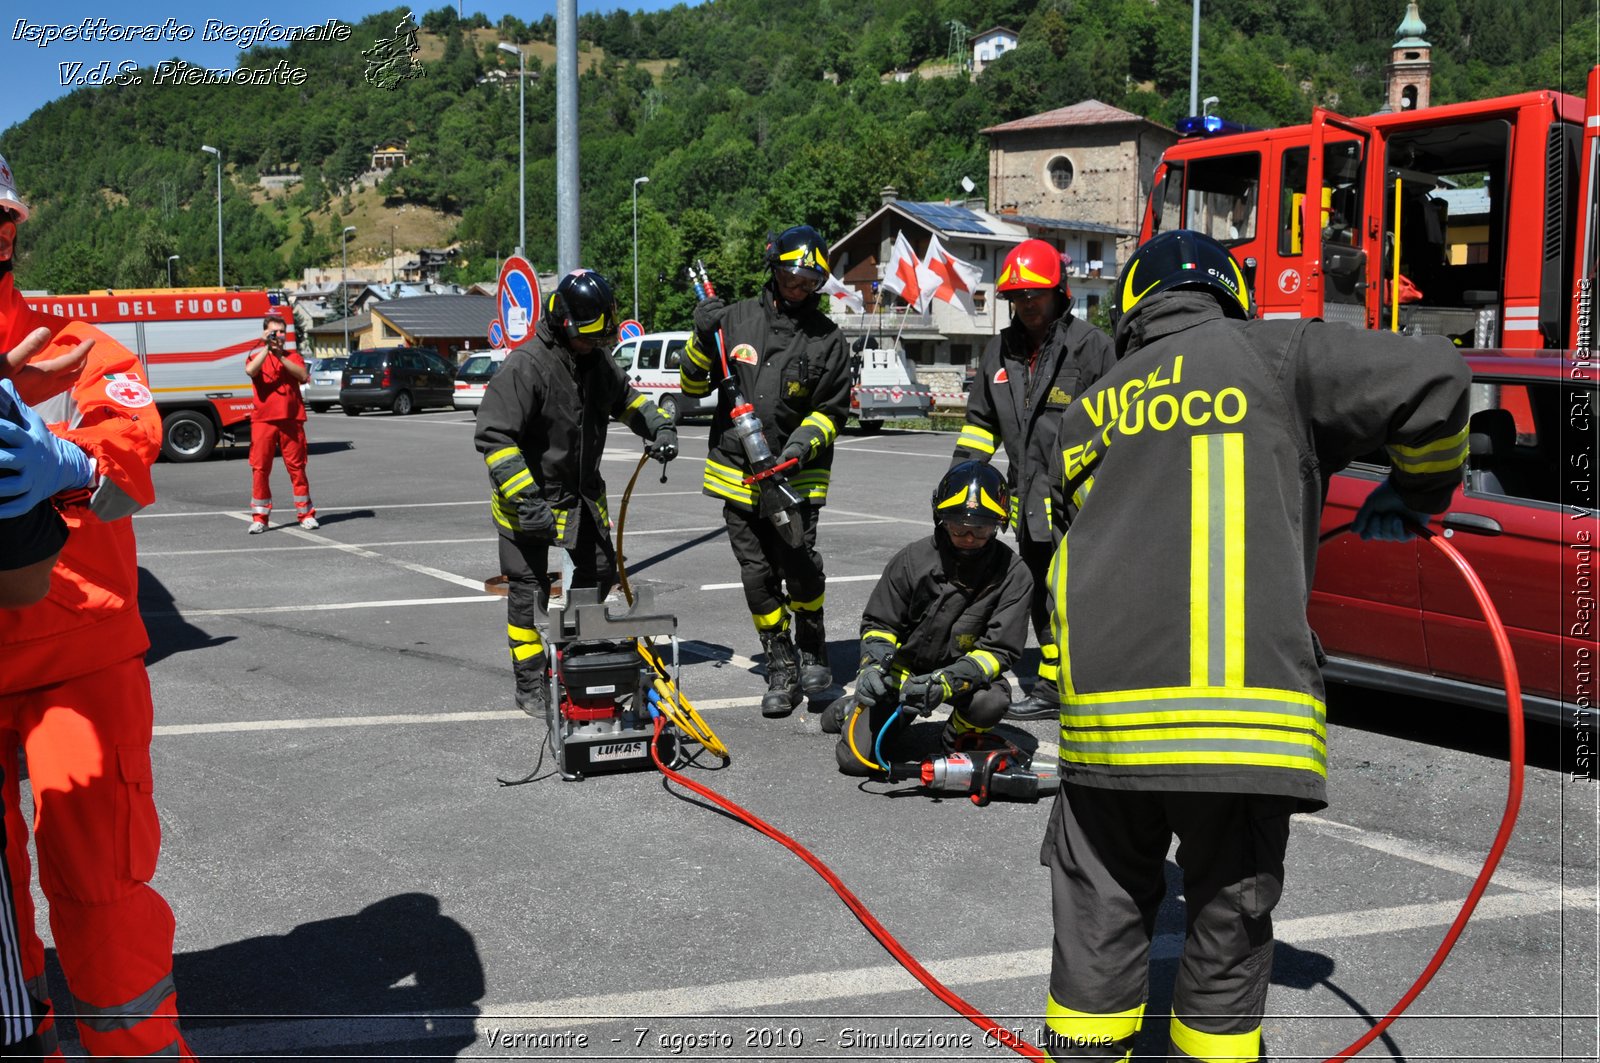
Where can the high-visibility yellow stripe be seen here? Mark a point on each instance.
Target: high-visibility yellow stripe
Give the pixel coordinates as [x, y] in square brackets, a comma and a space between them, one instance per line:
[1447, 445]
[517, 484]
[1302, 704]
[636, 403]
[724, 482]
[695, 356]
[496, 457]
[1215, 1047]
[1048, 672]
[887, 636]
[1150, 758]
[974, 438]
[1057, 584]
[987, 661]
[1233, 559]
[522, 653]
[777, 620]
[1199, 560]
[523, 634]
[824, 424]
[812, 606]
[1221, 717]
[1050, 651]
[1082, 492]
[1418, 468]
[812, 484]
[1083, 1026]
[1197, 736]
[961, 726]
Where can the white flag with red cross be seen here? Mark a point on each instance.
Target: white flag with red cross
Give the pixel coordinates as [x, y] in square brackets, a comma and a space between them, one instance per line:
[900, 274]
[843, 293]
[944, 276]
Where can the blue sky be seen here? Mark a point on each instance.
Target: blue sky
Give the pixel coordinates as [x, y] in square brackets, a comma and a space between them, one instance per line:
[30, 75]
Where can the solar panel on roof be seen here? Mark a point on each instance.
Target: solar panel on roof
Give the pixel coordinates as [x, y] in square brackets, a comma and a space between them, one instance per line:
[950, 219]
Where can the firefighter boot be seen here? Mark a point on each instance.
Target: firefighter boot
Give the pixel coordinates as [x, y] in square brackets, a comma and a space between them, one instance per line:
[811, 640]
[783, 675]
[533, 686]
[1042, 703]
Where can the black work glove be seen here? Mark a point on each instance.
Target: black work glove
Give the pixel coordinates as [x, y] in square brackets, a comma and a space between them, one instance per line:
[795, 451]
[924, 693]
[708, 314]
[873, 686]
[535, 517]
[664, 447]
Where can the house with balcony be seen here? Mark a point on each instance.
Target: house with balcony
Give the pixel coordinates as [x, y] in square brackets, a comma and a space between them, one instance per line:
[990, 45]
[946, 337]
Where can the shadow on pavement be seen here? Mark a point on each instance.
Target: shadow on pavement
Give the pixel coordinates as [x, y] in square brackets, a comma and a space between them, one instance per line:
[169, 632]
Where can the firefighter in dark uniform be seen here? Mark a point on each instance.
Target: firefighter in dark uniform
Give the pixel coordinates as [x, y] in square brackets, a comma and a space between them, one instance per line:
[789, 361]
[1192, 700]
[948, 616]
[1028, 376]
[541, 430]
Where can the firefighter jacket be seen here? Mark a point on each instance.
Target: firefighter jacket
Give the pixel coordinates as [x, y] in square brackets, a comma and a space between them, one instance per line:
[1197, 470]
[794, 369]
[933, 606]
[1009, 407]
[542, 428]
[90, 618]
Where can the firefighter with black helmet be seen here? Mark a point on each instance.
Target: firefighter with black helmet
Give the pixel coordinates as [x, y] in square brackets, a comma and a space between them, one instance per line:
[946, 619]
[1027, 378]
[542, 430]
[789, 362]
[1192, 700]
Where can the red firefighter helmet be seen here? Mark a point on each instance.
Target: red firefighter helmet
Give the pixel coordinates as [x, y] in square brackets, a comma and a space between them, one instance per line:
[1033, 265]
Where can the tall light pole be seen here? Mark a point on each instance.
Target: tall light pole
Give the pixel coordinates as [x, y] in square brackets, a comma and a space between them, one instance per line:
[567, 233]
[344, 290]
[637, 181]
[522, 142]
[170, 260]
[218, 153]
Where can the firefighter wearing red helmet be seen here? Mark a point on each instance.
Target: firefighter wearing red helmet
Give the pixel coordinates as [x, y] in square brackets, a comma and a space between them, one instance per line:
[1027, 378]
[1191, 699]
[75, 698]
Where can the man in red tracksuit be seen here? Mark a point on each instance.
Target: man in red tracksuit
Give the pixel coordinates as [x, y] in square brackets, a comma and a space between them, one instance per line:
[278, 425]
[74, 695]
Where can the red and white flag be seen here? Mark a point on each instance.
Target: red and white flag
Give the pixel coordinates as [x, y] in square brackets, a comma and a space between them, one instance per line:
[844, 294]
[900, 274]
[944, 276]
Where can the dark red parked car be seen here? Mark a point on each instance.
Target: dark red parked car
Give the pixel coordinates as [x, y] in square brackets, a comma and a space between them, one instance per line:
[1399, 617]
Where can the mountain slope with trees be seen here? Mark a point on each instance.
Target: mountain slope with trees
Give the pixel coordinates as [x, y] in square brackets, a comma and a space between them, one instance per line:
[748, 118]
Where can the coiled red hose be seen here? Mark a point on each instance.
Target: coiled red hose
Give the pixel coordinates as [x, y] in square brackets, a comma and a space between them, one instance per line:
[1027, 1050]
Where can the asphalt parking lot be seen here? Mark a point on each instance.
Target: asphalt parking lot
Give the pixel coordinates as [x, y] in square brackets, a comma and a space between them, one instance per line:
[333, 709]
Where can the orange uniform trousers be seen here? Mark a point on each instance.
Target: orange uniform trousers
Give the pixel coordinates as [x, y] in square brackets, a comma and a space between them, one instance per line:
[87, 742]
[268, 439]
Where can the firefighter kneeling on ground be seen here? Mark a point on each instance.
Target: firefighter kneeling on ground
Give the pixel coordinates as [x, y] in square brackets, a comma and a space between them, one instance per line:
[1191, 698]
[542, 430]
[948, 616]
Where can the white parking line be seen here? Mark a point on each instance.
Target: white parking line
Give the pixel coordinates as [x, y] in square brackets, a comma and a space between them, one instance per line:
[320, 509]
[408, 719]
[319, 607]
[373, 555]
[831, 579]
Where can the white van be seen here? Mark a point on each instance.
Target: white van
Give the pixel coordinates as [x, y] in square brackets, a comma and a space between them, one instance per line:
[651, 362]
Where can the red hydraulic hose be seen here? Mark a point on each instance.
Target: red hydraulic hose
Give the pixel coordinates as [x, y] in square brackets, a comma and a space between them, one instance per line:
[1508, 819]
[1000, 1034]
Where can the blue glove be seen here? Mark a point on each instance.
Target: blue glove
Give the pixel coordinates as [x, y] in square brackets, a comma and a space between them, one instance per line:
[1383, 516]
[35, 463]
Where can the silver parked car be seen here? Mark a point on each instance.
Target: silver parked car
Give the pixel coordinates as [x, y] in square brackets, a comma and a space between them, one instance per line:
[321, 392]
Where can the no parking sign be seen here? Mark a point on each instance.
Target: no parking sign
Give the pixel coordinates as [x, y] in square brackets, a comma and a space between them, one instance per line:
[630, 330]
[497, 335]
[518, 294]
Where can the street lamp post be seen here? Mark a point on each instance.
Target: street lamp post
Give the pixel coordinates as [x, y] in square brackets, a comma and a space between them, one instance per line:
[344, 289]
[637, 181]
[522, 142]
[170, 260]
[208, 149]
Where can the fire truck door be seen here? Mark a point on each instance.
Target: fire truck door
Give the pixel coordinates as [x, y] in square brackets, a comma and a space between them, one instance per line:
[1587, 239]
[1338, 224]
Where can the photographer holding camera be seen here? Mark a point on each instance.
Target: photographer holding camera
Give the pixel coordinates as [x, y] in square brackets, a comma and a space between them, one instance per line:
[278, 425]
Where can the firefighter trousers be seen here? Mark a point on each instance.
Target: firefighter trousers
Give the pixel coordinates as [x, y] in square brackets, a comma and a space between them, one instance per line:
[1036, 556]
[267, 440]
[1106, 851]
[972, 714]
[776, 576]
[95, 829]
[524, 561]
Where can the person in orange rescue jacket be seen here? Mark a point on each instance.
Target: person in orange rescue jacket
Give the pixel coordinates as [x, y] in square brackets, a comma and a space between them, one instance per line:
[75, 697]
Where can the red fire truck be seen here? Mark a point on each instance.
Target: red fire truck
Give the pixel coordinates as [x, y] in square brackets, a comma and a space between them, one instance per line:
[1471, 220]
[193, 342]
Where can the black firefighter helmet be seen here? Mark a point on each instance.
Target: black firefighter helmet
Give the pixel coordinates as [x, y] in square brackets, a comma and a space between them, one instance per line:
[583, 306]
[972, 494]
[1182, 258]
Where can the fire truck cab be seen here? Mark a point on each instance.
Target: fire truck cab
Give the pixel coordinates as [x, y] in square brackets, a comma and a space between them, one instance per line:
[1470, 220]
